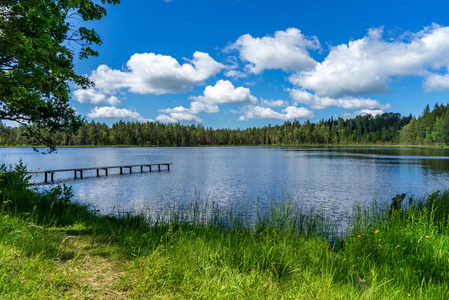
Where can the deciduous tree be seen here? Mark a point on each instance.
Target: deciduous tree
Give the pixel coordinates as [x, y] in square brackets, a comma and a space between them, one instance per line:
[36, 61]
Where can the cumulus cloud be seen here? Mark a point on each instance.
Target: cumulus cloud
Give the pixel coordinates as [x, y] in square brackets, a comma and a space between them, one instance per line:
[367, 65]
[149, 73]
[224, 93]
[118, 113]
[435, 82]
[174, 110]
[373, 112]
[286, 50]
[178, 114]
[317, 102]
[203, 108]
[266, 113]
[183, 117]
[182, 114]
[165, 119]
[274, 103]
[93, 96]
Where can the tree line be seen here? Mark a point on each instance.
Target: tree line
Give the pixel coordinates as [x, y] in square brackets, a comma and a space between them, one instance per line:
[430, 128]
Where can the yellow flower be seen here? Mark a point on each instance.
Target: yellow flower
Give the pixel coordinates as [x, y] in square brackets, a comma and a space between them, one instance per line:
[377, 231]
[427, 236]
[398, 246]
[359, 235]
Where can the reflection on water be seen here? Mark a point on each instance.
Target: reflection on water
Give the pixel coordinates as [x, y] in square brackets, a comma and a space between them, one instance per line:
[329, 178]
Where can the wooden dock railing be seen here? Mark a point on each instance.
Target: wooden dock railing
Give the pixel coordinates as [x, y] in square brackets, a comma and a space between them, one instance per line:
[81, 170]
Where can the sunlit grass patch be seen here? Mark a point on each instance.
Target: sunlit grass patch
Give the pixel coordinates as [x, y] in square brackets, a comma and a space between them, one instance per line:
[201, 250]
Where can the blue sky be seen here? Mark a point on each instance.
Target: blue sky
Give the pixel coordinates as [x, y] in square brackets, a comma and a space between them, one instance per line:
[229, 63]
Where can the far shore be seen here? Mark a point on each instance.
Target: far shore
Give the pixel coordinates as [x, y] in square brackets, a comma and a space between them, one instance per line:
[272, 145]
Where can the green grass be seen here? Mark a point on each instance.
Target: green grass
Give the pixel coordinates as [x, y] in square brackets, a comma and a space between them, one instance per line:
[52, 248]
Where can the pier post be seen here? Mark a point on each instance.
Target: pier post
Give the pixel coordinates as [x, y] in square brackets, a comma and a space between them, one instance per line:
[50, 174]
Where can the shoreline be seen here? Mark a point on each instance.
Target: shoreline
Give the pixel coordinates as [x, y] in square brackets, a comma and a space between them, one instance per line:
[438, 147]
[51, 247]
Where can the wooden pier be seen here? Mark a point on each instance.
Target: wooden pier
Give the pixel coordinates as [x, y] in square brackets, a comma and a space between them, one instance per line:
[105, 169]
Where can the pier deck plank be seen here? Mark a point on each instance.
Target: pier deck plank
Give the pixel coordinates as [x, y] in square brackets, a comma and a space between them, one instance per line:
[80, 170]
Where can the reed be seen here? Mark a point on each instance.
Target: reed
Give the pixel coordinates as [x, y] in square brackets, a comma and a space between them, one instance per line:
[53, 248]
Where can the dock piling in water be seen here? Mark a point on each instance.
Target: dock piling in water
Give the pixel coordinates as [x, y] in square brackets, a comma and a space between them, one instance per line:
[81, 170]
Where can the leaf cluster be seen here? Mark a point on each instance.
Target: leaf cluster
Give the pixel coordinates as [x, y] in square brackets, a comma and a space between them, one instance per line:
[18, 196]
[36, 60]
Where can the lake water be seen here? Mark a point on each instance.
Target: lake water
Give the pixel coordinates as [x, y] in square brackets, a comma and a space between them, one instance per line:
[330, 178]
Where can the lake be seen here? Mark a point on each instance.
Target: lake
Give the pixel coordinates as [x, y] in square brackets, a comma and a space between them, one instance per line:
[333, 178]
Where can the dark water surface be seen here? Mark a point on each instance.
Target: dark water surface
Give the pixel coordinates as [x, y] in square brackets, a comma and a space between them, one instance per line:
[330, 178]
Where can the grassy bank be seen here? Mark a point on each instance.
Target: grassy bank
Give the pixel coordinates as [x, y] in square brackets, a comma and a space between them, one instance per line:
[53, 248]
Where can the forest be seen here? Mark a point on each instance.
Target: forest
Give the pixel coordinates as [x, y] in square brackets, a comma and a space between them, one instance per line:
[430, 128]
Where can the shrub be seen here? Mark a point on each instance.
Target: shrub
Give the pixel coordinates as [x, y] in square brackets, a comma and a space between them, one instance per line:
[18, 196]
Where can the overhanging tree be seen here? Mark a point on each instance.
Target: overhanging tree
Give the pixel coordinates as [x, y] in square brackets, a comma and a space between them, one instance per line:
[36, 61]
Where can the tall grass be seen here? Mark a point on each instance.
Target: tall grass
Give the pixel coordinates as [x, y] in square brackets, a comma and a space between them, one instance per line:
[52, 248]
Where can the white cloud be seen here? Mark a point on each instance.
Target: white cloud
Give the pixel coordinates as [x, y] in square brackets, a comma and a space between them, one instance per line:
[231, 66]
[178, 114]
[362, 112]
[287, 50]
[195, 108]
[235, 74]
[274, 103]
[266, 113]
[317, 102]
[203, 108]
[224, 93]
[186, 117]
[178, 109]
[119, 113]
[182, 114]
[165, 119]
[149, 73]
[93, 96]
[373, 112]
[367, 65]
[435, 82]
